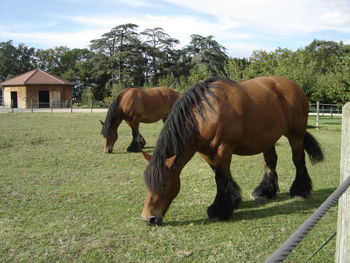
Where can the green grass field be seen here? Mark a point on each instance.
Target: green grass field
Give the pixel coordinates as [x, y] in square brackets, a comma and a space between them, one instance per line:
[62, 199]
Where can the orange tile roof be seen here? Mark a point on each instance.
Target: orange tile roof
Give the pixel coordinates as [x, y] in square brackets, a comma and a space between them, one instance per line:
[37, 77]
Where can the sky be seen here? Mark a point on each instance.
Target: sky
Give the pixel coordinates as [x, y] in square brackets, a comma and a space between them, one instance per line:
[240, 26]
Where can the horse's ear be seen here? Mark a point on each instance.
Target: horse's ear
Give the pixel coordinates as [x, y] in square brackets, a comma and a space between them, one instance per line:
[169, 162]
[147, 156]
[101, 122]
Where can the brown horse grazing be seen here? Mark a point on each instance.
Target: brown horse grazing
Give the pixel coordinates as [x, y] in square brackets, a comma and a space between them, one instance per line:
[219, 117]
[135, 105]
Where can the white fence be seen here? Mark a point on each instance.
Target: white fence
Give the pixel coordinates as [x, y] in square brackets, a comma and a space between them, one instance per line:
[66, 106]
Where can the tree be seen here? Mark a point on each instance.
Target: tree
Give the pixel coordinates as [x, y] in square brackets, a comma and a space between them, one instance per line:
[206, 51]
[324, 53]
[15, 60]
[158, 50]
[236, 68]
[334, 87]
[50, 60]
[123, 52]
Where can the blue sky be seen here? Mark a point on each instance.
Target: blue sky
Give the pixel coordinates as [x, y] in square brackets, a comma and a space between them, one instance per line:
[240, 26]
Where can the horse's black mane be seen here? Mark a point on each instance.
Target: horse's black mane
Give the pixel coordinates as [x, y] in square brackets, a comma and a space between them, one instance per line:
[111, 116]
[179, 129]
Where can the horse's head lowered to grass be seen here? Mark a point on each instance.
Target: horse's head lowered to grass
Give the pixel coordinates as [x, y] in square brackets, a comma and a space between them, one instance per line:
[158, 200]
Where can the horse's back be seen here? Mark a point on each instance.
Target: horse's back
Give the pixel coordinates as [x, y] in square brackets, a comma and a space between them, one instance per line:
[284, 88]
[282, 93]
[147, 105]
[254, 114]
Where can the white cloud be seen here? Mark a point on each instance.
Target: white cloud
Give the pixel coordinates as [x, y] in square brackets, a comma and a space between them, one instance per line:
[277, 16]
[179, 27]
[135, 3]
[242, 49]
[240, 26]
[53, 39]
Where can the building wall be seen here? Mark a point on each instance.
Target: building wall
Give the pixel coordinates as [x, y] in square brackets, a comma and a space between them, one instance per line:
[29, 95]
[21, 94]
[64, 91]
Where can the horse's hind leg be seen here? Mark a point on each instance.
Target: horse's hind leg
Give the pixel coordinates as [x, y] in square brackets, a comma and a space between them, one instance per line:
[302, 184]
[228, 195]
[268, 186]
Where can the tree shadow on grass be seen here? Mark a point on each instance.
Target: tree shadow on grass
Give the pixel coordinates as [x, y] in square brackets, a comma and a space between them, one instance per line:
[250, 209]
[149, 149]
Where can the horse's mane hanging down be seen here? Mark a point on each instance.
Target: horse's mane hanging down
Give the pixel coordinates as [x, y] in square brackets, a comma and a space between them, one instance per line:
[112, 114]
[179, 129]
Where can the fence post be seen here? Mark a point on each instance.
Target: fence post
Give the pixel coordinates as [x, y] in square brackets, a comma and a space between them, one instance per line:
[90, 105]
[317, 114]
[71, 106]
[343, 228]
[31, 105]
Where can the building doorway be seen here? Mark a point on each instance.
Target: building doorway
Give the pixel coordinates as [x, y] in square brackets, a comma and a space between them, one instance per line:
[44, 99]
[1, 97]
[14, 101]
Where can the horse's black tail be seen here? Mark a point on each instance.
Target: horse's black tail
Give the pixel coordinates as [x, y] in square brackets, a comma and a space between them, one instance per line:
[313, 149]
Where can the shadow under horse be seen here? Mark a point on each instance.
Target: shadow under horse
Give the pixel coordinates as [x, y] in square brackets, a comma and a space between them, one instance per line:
[218, 118]
[135, 105]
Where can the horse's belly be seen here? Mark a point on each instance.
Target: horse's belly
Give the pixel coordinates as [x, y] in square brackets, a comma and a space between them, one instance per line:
[149, 120]
[247, 150]
[255, 145]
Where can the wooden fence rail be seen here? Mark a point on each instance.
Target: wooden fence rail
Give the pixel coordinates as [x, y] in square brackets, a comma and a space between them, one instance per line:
[343, 228]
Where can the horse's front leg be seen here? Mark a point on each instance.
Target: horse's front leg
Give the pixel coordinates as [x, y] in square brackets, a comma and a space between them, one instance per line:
[228, 196]
[138, 142]
[141, 141]
[268, 186]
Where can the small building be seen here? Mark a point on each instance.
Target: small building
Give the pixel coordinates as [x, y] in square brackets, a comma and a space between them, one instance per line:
[37, 89]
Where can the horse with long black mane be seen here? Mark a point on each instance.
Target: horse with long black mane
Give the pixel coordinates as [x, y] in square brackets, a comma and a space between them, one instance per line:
[219, 117]
[136, 105]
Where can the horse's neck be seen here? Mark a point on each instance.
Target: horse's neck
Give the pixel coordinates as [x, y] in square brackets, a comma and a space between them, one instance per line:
[183, 158]
[116, 122]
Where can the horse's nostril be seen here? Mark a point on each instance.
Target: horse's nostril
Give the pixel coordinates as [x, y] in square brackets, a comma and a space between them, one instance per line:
[110, 151]
[152, 220]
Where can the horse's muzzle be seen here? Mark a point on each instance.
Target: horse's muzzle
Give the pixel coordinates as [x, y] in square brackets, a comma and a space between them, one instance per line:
[154, 221]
